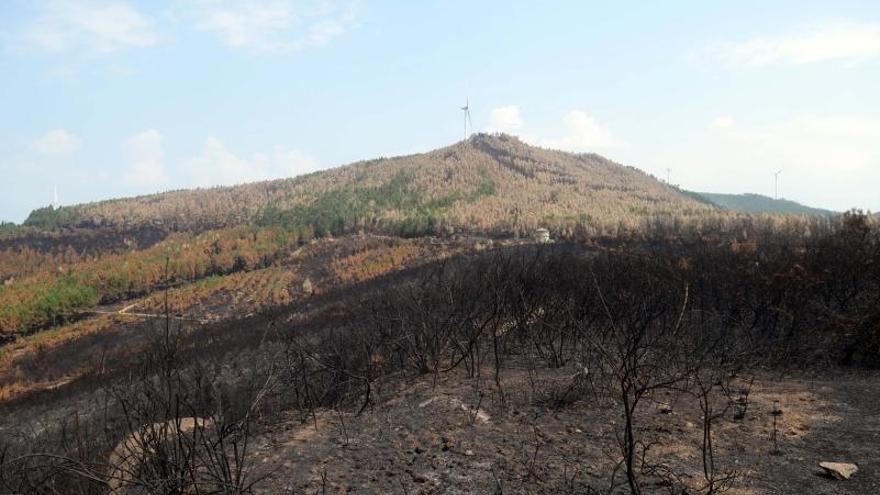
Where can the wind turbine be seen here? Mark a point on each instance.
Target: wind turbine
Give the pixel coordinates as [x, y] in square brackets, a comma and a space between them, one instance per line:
[776, 184]
[55, 203]
[467, 117]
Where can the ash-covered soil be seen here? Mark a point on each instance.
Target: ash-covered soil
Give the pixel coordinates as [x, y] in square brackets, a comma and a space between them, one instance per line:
[452, 435]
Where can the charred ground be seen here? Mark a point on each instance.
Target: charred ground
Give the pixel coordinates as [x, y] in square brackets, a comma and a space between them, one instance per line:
[452, 366]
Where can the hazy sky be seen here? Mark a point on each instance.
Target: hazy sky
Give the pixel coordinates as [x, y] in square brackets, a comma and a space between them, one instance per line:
[122, 97]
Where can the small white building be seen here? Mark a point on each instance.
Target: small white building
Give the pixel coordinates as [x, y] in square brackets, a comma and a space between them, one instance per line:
[542, 236]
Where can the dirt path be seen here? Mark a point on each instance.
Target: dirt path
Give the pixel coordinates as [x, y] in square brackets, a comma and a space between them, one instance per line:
[126, 311]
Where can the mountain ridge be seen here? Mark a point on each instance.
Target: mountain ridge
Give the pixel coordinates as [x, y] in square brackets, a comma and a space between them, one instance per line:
[757, 203]
[487, 182]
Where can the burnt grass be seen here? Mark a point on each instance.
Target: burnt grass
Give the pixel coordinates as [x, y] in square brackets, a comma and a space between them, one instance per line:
[85, 241]
[91, 359]
[505, 371]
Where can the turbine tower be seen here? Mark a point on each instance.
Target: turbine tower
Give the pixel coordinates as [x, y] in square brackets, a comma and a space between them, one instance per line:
[776, 184]
[55, 203]
[467, 118]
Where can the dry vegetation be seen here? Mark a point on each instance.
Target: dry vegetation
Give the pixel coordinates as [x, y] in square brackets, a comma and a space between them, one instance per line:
[42, 360]
[182, 349]
[56, 294]
[485, 184]
[639, 367]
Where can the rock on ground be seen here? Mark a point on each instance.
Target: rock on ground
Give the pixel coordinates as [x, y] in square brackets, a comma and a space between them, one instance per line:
[839, 470]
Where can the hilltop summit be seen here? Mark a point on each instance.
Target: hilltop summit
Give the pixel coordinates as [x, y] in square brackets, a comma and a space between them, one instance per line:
[485, 183]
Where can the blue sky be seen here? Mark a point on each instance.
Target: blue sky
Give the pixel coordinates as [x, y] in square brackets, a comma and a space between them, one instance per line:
[123, 97]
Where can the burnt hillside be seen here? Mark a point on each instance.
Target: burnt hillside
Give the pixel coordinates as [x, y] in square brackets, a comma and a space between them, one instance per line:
[487, 183]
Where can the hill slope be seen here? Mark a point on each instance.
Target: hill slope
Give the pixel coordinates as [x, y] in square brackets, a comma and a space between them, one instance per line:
[487, 183]
[756, 203]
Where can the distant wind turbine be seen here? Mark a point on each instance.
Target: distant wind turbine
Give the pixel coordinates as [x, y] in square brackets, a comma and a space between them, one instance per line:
[55, 203]
[467, 117]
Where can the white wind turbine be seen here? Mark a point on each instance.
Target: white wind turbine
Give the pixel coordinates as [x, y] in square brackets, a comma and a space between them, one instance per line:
[467, 117]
